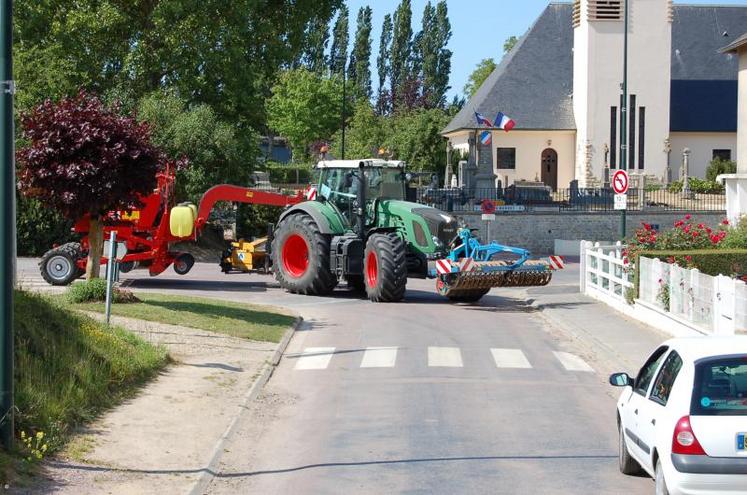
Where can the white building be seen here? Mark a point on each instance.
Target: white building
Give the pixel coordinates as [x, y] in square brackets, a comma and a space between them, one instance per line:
[562, 85]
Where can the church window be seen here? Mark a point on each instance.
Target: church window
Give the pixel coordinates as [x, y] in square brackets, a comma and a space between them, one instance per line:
[506, 158]
[613, 137]
[641, 137]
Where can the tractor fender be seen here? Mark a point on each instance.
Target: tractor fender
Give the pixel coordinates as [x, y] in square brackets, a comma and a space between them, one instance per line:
[318, 216]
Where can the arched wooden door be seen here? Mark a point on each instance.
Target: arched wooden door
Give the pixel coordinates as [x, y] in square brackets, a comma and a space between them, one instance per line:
[550, 168]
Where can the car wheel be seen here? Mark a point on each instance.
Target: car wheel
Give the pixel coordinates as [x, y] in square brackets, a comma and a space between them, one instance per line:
[661, 484]
[627, 464]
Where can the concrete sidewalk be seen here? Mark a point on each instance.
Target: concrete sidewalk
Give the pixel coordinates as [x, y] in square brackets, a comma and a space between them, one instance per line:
[608, 338]
[168, 437]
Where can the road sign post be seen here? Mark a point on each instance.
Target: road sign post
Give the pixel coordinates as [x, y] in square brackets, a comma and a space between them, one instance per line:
[620, 185]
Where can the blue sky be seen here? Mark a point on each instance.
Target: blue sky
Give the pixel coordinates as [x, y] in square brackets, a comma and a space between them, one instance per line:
[479, 28]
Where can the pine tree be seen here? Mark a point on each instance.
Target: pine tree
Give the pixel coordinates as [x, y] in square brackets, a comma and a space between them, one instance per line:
[317, 39]
[401, 52]
[440, 78]
[338, 56]
[383, 62]
[360, 58]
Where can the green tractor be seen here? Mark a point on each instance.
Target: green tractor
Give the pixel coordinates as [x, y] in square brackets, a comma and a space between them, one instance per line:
[358, 226]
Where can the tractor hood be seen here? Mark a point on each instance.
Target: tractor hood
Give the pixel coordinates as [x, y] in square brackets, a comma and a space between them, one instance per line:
[428, 229]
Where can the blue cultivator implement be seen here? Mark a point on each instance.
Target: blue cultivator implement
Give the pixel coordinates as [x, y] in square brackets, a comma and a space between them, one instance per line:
[469, 271]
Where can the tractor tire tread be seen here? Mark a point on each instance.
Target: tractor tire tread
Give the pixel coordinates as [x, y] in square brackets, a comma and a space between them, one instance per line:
[324, 281]
[69, 251]
[392, 267]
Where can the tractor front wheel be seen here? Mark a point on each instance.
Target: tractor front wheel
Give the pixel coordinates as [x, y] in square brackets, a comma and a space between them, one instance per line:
[385, 268]
[59, 266]
[300, 257]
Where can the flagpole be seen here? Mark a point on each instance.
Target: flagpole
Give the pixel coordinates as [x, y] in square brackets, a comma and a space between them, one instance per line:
[624, 115]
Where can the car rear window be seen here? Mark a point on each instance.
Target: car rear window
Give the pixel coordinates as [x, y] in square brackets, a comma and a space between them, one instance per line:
[720, 387]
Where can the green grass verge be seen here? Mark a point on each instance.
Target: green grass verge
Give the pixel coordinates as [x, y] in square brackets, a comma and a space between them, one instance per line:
[229, 318]
[68, 369]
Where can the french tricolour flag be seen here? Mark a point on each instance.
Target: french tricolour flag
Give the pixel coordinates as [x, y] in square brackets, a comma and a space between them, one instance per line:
[481, 120]
[486, 138]
[504, 122]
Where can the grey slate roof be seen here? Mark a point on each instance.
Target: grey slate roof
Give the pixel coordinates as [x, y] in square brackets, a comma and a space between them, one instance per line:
[534, 83]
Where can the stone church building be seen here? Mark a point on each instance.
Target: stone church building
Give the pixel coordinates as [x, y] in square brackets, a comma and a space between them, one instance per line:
[561, 84]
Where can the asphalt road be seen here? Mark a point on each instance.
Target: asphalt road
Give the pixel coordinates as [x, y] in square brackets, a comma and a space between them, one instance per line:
[417, 397]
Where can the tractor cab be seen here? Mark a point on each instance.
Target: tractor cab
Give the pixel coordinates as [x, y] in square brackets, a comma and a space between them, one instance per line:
[340, 182]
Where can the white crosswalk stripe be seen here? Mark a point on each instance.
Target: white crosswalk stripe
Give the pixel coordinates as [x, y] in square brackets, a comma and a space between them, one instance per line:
[510, 358]
[379, 357]
[315, 358]
[571, 362]
[448, 357]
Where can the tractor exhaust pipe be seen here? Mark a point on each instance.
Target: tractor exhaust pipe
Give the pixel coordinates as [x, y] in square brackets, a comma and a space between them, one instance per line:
[360, 207]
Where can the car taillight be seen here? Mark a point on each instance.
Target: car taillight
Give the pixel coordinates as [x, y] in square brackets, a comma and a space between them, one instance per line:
[684, 440]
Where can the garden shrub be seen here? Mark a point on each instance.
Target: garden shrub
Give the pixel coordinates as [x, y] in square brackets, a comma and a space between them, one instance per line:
[94, 290]
[698, 186]
[718, 167]
[729, 262]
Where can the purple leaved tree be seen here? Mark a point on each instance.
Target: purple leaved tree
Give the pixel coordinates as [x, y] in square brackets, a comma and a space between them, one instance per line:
[84, 158]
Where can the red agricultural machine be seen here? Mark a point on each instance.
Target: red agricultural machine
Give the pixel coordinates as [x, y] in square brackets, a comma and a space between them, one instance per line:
[148, 232]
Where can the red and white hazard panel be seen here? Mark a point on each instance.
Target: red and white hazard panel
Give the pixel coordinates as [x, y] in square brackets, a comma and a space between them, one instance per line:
[443, 267]
[467, 265]
[311, 193]
[556, 262]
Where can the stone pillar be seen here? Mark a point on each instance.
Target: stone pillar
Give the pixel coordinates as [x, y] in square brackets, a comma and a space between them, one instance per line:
[736, 184]
[449, 171]
[686, 192]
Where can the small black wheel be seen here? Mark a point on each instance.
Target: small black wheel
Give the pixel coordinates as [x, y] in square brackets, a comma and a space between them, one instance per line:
[627, 464]
[385, 267]
[126, 267]
[184, 263]
[300, 257]
[59, 266]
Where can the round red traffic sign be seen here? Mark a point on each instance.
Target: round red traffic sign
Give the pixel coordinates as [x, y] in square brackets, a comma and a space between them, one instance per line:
[620, 182]
[487, 207]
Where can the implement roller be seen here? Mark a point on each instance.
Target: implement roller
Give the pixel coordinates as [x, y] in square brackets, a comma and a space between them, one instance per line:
[469, 272]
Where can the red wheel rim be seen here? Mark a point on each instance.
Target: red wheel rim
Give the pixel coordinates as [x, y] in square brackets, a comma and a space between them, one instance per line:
[295, 255]
[372, 269]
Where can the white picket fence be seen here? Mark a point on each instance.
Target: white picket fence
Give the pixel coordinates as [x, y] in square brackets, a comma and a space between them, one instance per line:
[676, 299]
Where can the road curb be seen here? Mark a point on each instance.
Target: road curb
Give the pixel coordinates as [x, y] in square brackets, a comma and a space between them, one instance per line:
[209, 472]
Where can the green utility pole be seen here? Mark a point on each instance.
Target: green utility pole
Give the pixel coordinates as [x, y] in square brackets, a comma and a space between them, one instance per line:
[624, 116]
[8, 218]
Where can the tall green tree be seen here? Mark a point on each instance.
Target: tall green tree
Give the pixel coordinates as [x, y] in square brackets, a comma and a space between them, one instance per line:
[432, 60]
[305, 108]
[338, 56]
[218, 152]
[191, 46]
[317, 39]
[478, 76]
[383, 62]
[360, 58]
[401, 51]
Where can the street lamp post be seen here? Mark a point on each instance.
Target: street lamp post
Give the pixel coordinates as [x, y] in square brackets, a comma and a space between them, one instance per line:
[624, 113]
[8, 218]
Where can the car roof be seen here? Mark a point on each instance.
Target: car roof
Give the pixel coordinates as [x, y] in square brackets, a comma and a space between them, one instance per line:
[694, 348]
[366, 162]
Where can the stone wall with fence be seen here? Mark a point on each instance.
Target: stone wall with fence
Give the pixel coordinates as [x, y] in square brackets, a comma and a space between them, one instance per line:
[538, 231]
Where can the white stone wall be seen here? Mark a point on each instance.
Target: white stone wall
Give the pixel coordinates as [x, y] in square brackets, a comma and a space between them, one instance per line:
[701, 146]
[598, 73]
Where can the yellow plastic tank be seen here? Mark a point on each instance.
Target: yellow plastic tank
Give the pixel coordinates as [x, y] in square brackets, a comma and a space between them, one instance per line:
[182, 220]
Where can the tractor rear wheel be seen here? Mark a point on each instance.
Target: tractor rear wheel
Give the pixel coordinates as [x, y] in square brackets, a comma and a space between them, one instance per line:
[300, 257]
[385, 268]
[59, 266]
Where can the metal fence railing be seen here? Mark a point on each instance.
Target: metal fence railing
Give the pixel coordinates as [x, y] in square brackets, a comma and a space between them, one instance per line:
[512, 199]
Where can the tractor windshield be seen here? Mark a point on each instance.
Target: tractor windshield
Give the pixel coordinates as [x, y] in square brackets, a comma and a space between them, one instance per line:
[385, 183]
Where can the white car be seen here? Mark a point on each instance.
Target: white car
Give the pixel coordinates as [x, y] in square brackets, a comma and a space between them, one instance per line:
[683, 419]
